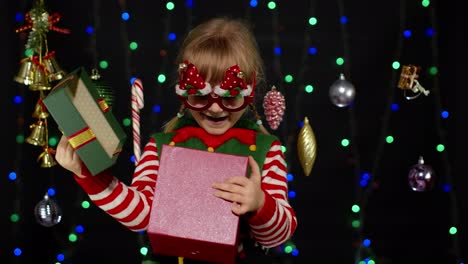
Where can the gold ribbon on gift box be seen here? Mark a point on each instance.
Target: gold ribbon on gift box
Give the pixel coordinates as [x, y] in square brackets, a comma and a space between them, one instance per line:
[81, 138]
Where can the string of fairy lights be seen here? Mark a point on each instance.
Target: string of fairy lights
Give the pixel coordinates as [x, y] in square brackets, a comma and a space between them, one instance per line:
[365, 180]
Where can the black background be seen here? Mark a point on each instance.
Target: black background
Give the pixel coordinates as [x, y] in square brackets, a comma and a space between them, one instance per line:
[404, 226]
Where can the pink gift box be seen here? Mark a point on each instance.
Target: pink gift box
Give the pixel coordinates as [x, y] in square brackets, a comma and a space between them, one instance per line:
[187, 220]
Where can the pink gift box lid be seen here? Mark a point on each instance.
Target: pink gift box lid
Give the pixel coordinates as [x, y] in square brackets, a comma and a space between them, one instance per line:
[184, 205]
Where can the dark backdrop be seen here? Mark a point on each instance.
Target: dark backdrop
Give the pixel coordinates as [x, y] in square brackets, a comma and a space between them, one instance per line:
[404, 226]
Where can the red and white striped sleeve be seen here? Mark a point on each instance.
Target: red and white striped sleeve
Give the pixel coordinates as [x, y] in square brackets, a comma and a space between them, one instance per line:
[276, 222]
[130, 205]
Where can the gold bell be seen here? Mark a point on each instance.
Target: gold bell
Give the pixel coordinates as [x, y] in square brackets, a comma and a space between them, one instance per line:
[26, 72]
[55, 73]
[47, 160]
[40, 82]
[38, 135]
[39, 111]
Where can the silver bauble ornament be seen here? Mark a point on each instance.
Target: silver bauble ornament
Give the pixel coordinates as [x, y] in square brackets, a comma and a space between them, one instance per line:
[342, 92]
[47, 212]
[421, 177]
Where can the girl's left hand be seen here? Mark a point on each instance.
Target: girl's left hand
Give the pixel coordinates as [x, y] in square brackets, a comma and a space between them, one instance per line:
[245, 193]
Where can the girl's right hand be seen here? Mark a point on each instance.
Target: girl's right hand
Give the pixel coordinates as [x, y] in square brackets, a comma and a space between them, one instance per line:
[67, 157]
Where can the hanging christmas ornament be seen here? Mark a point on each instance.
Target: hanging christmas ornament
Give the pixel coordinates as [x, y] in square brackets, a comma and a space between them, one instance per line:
[306, 147]
[421, 177]
[104, 90]
[342, 92]
[274, 106]
[409, 82]
[47, 212]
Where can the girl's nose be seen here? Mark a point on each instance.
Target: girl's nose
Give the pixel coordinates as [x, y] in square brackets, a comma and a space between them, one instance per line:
[215, 108]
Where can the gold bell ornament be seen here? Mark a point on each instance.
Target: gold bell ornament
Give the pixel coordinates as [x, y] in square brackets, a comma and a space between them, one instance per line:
[40, 82]
[46, 158]
[306, 147]
[40, 111]
[54, 71]
[26, 72]
[38, 134]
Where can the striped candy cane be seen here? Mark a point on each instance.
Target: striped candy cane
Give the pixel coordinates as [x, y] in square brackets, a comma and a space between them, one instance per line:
[137, 104]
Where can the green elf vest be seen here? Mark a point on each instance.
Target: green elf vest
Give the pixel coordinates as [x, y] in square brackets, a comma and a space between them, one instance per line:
[231, 146]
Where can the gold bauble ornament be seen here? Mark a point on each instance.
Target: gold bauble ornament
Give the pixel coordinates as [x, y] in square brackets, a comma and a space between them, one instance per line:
[306, 147]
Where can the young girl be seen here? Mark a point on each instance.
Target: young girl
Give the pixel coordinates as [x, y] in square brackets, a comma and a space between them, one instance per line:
[219, 67]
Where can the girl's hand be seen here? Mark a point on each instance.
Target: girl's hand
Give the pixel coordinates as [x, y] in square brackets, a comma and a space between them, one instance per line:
[245, 193]
[66, 156]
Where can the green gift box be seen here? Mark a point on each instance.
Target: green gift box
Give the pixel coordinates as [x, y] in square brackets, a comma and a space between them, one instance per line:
[86, 120]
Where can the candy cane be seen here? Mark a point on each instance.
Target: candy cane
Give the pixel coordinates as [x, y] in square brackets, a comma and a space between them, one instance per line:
[137, 104]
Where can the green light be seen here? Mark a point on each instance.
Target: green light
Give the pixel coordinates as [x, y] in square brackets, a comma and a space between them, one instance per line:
[28, 52]
[389, 139]
[339, 61]
[370, 261]
[396, 65]
[161, 78]
[313, 21]
[53, 141]
[288, 78]
[425, 3]
[356, 223]
[20, 139]
[72, 237]
[14, 218]
[309, 88]
[355, 208]
[344, 142]
[144, 251]
[433, 70]
[440, 147]
[271, 5]
[453, 230]
[126, 122]
[283, 149]
[103, 64]
[85, 204]
[362, 262]
[133, 45]
[170, 6]
[288, 249]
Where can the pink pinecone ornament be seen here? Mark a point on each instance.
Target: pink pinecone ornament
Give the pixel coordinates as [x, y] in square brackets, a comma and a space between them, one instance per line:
[274, 106]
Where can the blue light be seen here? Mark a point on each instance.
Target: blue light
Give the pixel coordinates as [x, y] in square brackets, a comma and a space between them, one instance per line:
[125, 16]
[395, 107]
[277, 50]
[60, 257]
[12, 176]
[132, 80]
[363, 183]
[292, 194]
[18, 99]
[290, 177]
[366, 242]
[407, 33]
[17, 251]
[430, 32]
[312, 50]
[19, 17]
[156, 108]
[444, 114]
[446, 188]
[189, 3]
[301, 124]
[132, 159]
[79, 229]
[365, 176]
[343, 20]
[295, 252]
[89, 30]
[172, 36]
[51, 191]
[253, 3]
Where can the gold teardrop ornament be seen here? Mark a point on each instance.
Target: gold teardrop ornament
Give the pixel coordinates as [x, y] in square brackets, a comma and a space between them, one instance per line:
[306, 147]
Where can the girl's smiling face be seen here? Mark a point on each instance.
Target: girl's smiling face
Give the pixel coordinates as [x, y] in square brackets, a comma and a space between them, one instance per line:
[215, 120]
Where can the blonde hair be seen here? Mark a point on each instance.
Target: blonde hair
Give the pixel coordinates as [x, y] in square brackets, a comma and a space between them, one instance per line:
[217, 44]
